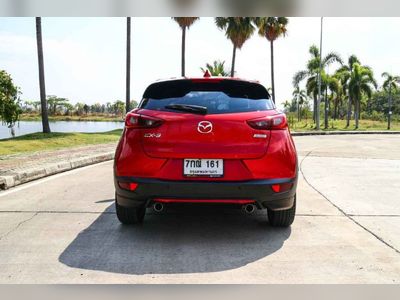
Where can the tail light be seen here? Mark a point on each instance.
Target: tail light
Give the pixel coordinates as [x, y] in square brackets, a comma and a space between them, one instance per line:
[134, 120]
[269, 123]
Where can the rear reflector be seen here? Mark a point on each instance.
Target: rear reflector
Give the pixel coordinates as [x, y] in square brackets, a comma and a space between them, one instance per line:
[282, 187]
[131, 186]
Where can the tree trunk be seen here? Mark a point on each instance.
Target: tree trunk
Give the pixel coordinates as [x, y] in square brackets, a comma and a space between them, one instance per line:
[233, 61]
[389, 106]
[128, 65]
[43, 101]
[183, 51]
[330, 114]
[272, 71]
[335, 115]
[315, 109]
[326, 109]
[298, 110]
[356, 111]
[348, 112]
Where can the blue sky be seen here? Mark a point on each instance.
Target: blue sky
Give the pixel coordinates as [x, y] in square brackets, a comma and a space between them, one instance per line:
[85, 57]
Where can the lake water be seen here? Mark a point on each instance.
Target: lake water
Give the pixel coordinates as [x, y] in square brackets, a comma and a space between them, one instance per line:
[25, 127]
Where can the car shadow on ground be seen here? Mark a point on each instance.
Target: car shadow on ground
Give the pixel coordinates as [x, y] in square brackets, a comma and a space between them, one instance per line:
[189, 239]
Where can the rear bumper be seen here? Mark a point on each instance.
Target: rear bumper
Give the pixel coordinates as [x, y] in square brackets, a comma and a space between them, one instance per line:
[259, 191]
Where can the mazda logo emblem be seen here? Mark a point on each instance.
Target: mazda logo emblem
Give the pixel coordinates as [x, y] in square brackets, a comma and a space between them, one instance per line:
[204, 127]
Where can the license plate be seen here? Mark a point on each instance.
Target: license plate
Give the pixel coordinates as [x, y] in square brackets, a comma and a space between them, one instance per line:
[203, 167]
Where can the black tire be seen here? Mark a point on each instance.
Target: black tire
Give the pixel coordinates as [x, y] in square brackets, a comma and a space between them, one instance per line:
[282, 218]
[129, 215]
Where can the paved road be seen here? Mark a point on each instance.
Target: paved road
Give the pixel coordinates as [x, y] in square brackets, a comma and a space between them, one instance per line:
[64, 229]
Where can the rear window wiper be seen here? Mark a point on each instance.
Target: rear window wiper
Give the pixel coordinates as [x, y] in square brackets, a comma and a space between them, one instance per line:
[196, 109]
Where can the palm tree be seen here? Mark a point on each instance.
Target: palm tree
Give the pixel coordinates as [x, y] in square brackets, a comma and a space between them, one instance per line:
[42, 85]
[238, 30]
[184, 23]
[272, 28]
[216, 69]
[128, 65]
[361, 83]
[345, 72]
[301, 97]
[286, 106]
[391, 82]
[333, 85]
[312, 71]
[337, 88]
[312, 87]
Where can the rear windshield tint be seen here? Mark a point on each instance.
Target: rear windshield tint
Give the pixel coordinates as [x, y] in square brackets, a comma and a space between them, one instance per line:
[215, 102]
[223, 96]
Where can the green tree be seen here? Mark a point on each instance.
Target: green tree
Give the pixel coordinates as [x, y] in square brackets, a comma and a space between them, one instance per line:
[361, 83]
[133, 104]
[300, 97]
[37, 106]
[272, 28]
[9, 101]
[86, 108]
[238, 30]
[345, 73]
[216, 69]
[42, 85]
[311, 72]
[79, 108]
[184, 23]
[68, 109]
[287, 106]
[391, 83]
[55, 103]
[332, 86]
[118, 107]
[340, 90]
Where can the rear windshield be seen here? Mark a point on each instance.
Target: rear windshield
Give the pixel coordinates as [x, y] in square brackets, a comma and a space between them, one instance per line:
[218, 97]
[215, 102]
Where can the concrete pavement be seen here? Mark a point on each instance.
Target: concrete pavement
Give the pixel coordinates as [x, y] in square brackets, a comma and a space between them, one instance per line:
[63, 229]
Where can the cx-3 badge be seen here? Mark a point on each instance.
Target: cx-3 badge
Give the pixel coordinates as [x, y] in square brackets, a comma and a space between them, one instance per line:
[204, 127]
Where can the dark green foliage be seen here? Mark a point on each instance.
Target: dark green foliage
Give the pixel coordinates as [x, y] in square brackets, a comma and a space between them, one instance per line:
[9, 100]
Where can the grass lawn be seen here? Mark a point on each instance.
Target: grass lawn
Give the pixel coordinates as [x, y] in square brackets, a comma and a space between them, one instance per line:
[308, 125]
[40, 142]
[97, 117]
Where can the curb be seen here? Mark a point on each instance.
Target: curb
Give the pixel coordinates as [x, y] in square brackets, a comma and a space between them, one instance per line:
[308, 133]
[27, 175]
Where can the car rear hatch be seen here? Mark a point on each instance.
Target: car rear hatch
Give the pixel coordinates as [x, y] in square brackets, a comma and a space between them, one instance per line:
[187, 136]
[221, 132]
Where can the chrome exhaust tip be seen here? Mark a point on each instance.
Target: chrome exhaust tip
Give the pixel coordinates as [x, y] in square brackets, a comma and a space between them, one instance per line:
[249, 208]
[158, 207]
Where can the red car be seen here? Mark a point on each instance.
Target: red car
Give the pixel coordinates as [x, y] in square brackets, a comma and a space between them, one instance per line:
[206, 140]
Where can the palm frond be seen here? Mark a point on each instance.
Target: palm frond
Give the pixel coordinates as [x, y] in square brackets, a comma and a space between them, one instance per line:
[330, 58]
[299, 76]
[185, 22]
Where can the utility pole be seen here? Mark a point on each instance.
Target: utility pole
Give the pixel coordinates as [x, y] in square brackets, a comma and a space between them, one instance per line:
[319, 78]
[390, 105]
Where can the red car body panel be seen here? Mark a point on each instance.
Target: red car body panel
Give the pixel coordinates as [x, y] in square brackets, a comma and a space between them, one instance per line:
[246, 158]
